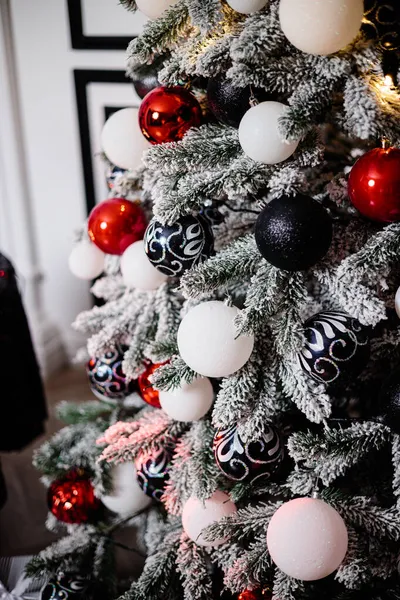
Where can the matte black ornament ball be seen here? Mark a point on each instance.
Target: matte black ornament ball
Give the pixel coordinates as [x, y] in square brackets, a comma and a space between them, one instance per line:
[174, 249]
[152, 471]
[389, 401]
[336, 347]
[229, 103]
[293, 233]
[107, 379]
[251, 461]
[66, 586]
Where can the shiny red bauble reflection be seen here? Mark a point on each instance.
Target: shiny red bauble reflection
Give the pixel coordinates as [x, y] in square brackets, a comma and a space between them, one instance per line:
[265, 594]
[166, 114]
[374, 185]
[72, 499]
[115, 224]
[146, 390]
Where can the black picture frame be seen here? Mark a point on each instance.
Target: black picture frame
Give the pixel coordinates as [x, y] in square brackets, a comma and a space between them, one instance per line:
[81, 41]
[82, 78]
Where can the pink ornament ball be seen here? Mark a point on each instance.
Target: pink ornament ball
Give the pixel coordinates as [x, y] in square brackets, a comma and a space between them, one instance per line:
[197, 515]
[307, 539]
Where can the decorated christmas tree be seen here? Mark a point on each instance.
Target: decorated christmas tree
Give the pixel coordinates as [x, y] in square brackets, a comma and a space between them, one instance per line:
[246, 356]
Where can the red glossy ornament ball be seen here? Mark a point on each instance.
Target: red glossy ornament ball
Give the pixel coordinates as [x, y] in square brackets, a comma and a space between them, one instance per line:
[146, 390]
[374, 185]
[265, 594]
[72, 500]
[115, 224]
[166, 114]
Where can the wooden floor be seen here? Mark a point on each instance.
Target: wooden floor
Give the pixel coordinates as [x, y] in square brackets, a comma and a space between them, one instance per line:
[22, 529]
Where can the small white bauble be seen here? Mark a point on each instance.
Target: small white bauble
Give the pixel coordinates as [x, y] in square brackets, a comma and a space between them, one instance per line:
[137, 271]
[247, 7]
[154, 8]
[86, 260]
[319, 27]
[397, 302]
[197, 515]
[190, 402]
[307, 539]
[127, 497]
[208, 342]
[122, 140]
[260, 137]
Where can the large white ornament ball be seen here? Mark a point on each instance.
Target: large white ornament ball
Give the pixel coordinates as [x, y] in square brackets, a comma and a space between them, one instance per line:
[260, 137]
[247, 7]
[208, 342]
[397, 302]
[122, 140]
[307, 539]
[197, 515]
[154, 8]
[86, 260]
[189, 402]
[127, 497]
[319, 27]
[137, 271]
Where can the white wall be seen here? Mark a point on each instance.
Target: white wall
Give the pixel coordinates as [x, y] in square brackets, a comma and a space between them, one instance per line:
[45, 63]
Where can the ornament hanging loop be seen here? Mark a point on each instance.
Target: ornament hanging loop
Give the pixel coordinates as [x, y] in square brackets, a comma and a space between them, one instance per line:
[385, 142]
[252, 100]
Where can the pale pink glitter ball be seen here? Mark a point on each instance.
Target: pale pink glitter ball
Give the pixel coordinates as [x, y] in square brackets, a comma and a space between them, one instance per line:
[307, 539]
[197, 515]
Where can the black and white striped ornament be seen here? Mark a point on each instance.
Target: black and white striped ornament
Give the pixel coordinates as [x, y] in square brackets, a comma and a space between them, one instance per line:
[251, 461]
[336, 345]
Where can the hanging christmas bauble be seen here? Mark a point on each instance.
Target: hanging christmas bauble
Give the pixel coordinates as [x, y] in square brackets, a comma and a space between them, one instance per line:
[321, 27]
[174, 249]
[389, 401]
[146, 390]
[248, 462]
[72, 499]
[208, 341]
[107, 379]
[381, 22]
[154, 8]
[229, 103]
[113, 174]
[198, 514]
[115, 224]
[260, 137]
[167, 113]
[336, 347]
[247, 7]
[153, 471]
[374, 185]
[265, 594]
[189, 402]
[66, 586]
[397, 302]
[126, 497]
[86, 260]
[307, 539]
[137, 271]
[146, 80]
[293, 233]
[122, 141]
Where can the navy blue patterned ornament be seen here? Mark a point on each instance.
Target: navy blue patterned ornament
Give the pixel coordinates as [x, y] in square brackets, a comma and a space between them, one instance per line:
[336, 346]
[152, 470]
[248, 462]
[210, 211]
[114, 173]
[65, 586]
[174, 249]
[107, 379]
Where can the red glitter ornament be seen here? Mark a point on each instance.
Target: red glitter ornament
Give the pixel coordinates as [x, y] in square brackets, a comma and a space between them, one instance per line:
[115, 224]
[72, 499]
[374, 185]
[146, 390]
[166, 114]
[265, 594]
